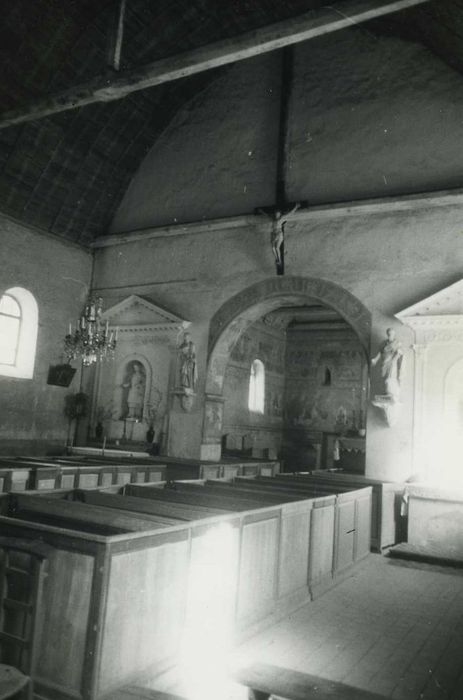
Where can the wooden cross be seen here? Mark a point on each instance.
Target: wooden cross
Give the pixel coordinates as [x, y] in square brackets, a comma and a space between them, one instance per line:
[283, 210]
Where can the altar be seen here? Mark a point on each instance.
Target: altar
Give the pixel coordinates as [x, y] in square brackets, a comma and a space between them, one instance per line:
[436, 520]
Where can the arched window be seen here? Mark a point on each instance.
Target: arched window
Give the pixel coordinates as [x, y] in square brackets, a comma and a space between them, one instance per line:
[256, 399]
[18, 333]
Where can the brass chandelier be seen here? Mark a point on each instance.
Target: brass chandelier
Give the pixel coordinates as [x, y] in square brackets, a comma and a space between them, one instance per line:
[91, 338]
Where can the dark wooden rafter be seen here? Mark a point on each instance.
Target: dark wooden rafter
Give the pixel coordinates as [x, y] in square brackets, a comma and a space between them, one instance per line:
[276, 36]
[115, 36]
[285, 98]
[287, 60]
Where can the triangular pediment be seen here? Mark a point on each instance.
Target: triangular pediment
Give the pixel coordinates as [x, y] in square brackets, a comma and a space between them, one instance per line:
[136, 311]
[446, 302]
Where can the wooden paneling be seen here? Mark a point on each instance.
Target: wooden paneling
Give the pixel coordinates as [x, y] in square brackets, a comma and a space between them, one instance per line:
[345, 525]
[258, 569]
[229, 471]
[64, 623]
[67, 481]
[321, 544]
[294, 549]
[385, 498]
[19, 479]
[212, 587]
[155, 475]
[144, 613]
[210, 472]
[87, 481]
[106, 479]
[363, 520]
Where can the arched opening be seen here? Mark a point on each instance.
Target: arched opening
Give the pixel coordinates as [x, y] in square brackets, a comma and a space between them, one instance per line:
[313, 338]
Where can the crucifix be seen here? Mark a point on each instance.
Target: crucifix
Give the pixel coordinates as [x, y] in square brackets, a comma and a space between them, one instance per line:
[283, 210]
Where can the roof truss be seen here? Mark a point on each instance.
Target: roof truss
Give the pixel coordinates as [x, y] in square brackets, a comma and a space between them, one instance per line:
[275, 36]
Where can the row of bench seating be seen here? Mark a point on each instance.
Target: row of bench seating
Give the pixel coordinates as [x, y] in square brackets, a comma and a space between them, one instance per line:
[20, 474]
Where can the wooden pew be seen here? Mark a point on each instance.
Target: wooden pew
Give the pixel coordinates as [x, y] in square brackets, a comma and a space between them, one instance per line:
[270, 485]
[116, 600]
[341, 523]
[386, 521]
[87, 475]
[197, 496]
[18, 476]
[79, 513]
[143, 505]
[225, 490]
[348, 527]
[134, 692]
[127, 594]
[168, 496]
[265, 680]
[5, 480]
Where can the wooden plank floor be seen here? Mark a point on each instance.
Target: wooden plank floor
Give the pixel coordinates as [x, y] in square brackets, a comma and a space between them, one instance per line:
[393, 628]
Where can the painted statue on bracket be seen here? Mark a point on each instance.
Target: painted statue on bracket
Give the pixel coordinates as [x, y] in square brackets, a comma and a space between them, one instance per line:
[391, 356]
[188, 368]
[133, 394]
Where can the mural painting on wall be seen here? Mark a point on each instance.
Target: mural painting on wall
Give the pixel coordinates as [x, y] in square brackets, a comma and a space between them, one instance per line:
[324, 389]
[213, 420]
[246, 349]
[188, 372]
[275, 404]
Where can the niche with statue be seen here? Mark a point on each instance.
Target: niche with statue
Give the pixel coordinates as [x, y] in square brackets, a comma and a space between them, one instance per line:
[130, 401]
[132, 395]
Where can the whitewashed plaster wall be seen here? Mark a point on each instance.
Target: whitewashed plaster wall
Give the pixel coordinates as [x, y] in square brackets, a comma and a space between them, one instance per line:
[58, 274]
[370, 116]
[363, 123]
[387, 256]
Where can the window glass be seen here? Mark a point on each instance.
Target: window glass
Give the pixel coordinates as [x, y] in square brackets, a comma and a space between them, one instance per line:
[256, 399]
[10, 320]
[18, 333]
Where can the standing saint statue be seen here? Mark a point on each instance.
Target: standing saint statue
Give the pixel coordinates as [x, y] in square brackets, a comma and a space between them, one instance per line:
[188, 369]
[391, 355]
[135, 383]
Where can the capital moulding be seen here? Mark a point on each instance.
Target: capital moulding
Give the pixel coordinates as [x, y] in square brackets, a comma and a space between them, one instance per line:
[136, 316]
[185, 229]
[153, 328]
[437, 318]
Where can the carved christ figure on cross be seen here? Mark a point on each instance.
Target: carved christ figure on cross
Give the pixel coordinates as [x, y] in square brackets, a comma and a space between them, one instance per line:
[279, 219]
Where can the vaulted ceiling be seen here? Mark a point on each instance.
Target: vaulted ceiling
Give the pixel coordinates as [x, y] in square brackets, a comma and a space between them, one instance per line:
[67, 173]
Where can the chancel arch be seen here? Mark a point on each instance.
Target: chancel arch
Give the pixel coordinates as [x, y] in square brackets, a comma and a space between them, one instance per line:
[232, 321]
